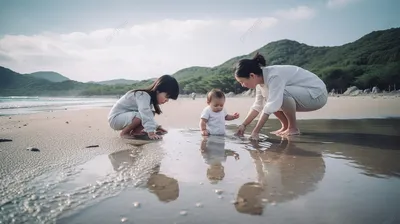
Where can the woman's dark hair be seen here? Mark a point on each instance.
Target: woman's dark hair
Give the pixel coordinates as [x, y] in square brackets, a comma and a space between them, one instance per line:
[164, 84]
[246, 66]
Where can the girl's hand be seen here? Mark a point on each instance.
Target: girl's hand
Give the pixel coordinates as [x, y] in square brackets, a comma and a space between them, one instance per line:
[154, 136]
[235, 115]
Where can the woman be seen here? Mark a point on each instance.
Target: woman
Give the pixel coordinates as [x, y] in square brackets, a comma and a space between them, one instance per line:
[287, 89]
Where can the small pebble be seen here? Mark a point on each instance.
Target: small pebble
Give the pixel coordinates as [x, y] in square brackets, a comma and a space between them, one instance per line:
[136, 204]
[183, 213]
[124, 219]
[201, 183]
[33, 149]
[5, 140]
[67, 122]
[199, 205]
[218, 191]
[220, 197]
[92, 146]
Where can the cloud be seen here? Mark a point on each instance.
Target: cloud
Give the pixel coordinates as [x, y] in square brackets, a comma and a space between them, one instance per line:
[339, 3]
[298, 13]
[246, 24]
[141, 51]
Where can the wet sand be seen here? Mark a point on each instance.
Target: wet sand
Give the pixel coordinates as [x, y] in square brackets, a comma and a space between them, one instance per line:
[337, 171]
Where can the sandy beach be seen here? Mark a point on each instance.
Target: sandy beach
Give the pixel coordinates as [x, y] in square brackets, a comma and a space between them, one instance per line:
[81, 162]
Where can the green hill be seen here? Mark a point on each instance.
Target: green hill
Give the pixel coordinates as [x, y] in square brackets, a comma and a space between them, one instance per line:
[48, 75]
[116, 82]
[372, 60]
[15, 84]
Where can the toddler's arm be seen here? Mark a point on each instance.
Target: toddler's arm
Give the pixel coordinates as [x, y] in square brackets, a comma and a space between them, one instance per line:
[204, 116]
[203, 126]
[230, 117]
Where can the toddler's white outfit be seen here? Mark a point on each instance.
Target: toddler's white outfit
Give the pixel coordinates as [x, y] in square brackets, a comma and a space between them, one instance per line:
[215, 120]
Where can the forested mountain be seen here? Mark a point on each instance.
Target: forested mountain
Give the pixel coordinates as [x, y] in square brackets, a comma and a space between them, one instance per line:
[50, 76]
[372, 60]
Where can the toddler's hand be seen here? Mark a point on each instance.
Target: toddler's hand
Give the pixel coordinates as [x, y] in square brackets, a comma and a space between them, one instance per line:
[204, 133]
[236, 115]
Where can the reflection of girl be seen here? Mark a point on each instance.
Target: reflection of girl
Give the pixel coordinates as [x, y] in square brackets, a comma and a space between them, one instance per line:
[165, 188]
[284, 173]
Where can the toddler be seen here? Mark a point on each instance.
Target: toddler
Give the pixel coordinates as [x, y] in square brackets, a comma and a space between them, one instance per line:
[213, 116]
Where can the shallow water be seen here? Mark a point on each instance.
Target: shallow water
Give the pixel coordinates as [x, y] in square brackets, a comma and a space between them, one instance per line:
[28, 105]
[337, 171]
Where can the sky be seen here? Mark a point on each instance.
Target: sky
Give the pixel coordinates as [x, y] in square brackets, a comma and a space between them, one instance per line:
[89, 40]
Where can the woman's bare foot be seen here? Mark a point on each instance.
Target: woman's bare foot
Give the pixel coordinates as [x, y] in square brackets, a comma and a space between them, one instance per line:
[278, 132]
[291, 131]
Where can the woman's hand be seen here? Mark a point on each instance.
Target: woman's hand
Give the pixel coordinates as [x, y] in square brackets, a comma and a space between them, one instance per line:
[240, 130]
[254, 136]
[154, 136]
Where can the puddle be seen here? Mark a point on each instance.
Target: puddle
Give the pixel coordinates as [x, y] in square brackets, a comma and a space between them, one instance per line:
[337, 173]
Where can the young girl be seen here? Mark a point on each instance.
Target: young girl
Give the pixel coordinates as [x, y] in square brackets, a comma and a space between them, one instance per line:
[133, 113]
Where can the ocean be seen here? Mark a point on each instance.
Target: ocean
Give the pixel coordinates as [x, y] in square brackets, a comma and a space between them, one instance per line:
[13, 105]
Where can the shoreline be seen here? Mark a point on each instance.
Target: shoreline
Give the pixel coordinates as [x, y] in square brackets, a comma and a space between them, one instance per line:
[344, 107]
[395, 93]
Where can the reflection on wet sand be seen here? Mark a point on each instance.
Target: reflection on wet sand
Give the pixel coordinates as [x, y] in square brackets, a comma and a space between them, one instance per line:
[284, 172]
[371, 145]
[165, 188]
[311, 178]
[214, 154]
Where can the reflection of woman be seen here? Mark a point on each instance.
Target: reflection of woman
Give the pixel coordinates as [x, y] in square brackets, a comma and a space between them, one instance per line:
[165, 188]
[284, 173]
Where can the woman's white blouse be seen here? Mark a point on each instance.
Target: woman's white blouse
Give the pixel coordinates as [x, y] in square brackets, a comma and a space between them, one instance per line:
[276, 78]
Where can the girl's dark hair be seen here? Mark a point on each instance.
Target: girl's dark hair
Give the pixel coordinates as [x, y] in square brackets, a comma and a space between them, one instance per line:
[164, 84]
[246, 66]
